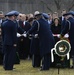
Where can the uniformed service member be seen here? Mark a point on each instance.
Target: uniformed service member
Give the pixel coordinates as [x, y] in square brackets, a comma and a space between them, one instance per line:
[1, 21]
[46, 40]
[34, 47]
[9, 35]
[69, 28]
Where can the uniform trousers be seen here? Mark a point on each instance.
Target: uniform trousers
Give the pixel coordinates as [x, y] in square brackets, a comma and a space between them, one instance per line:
[46, 61]
[9, 57]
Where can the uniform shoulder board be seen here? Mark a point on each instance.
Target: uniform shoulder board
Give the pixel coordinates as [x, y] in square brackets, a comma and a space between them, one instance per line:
[69, 24]
[38, 25]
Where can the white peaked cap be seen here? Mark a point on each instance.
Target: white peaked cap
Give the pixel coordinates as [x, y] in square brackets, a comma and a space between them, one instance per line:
[37, 13]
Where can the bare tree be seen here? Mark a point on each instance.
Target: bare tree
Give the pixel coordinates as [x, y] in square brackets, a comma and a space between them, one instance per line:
[70, 4]
[42, 1]
[58, 4]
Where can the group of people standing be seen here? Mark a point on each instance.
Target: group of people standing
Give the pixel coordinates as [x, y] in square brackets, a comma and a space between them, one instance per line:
[39, 39]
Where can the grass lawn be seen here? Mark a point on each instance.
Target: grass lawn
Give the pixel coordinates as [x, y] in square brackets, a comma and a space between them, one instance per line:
[25, 68]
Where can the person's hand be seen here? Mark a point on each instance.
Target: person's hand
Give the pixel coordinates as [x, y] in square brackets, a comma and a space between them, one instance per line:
[24, 35]
[18, 35]
[36, 35]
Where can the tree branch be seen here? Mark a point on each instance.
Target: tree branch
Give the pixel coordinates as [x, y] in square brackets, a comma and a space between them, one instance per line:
[71, 6]
[57, 2]
[46, 5]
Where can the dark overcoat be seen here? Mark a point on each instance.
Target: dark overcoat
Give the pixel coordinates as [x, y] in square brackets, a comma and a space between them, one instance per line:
[9, 38]
[46, 39]
[69, 27]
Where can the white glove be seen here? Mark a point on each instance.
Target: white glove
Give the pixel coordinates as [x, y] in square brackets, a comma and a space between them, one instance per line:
[36, 35]
[58, 35]
[66, 35]
[24, 35]
[18, 35]
[24, 32]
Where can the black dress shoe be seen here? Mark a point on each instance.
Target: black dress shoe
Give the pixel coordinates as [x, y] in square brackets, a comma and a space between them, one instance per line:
[8, 69]
[36, 66]
[41, 69]
[71, 67]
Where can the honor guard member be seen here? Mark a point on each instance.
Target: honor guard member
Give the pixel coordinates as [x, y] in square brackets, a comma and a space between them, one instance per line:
[69, 28]
[9, 35]
[46, 40]
[34, 47]
[35, 51]
[1, 21]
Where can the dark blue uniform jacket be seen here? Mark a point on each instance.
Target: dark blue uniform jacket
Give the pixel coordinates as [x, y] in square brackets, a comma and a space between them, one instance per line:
[46, 40]
[69, 28]
[9, 32]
